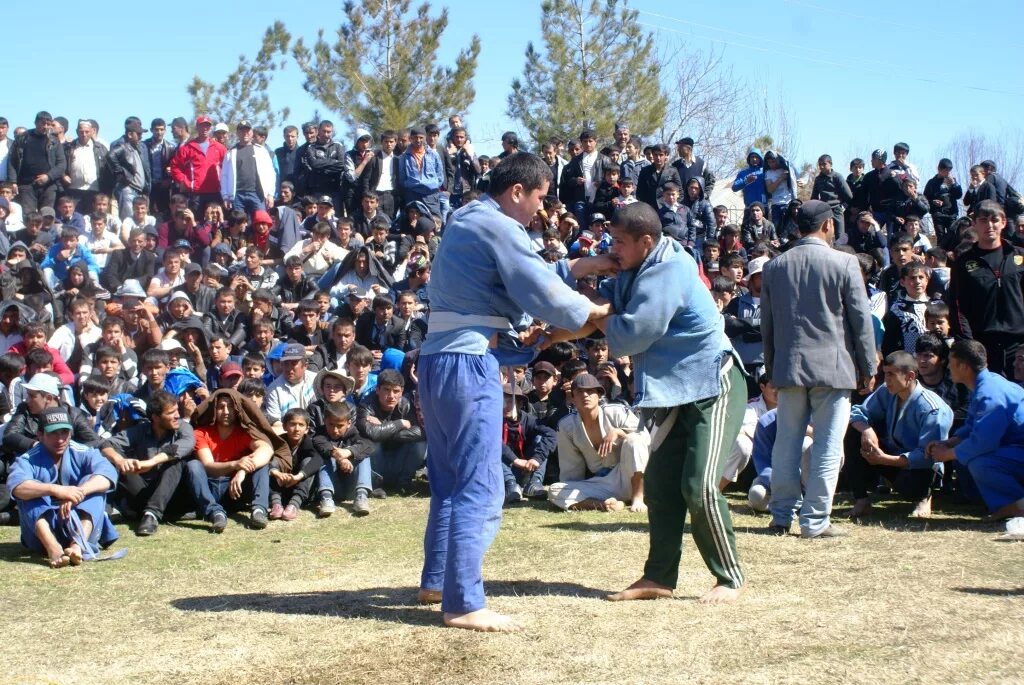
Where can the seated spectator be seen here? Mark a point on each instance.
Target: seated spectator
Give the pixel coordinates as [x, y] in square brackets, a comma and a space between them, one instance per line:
[346, 465]
[150, 458]
[729, 241]
[760, 492]
[378, 333]
[991, 441]
[602, 453]
[71, 339]
[383, 249]
[35, 338]
[63, 254]
[317, 253]
[756, 227]
[746, 324]
[307, 330]
[226, 320]
[526, 447]
[936, 320]
[358, 364]
[932, 356]
[411, 328]
[869, 238]
[295, 286]
[295, 478]
[330, 386]
[43, 391]
[293, 389]
[896, 423]
[388, 419]
[739, 456]
[61, 488]
[904, 322]
[333, 353]
[234, 446]
[112, 332]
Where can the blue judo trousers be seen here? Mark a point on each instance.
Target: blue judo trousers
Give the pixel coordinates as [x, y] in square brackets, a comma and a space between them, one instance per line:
[462, 412]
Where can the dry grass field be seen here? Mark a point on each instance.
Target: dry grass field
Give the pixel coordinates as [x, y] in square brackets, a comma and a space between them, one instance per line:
[333, 602]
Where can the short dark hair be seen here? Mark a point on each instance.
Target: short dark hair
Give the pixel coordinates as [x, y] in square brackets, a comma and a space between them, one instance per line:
[988, 209]
[390, 377]
[637, 220]
[931, 342]
[94, 385]
[972, 353]
[106, 352]
[11, 364]
[731, 259]
[902, 361]
[361, 356]
[112, 321]
[938, 254]
[522, 168]
[153, 357]
[158, 402]
[38, 357]
[339, 411]
[937, 310]
[251, 386]
[723, 284]
[295, 413]
[382, 302]
[914, 267]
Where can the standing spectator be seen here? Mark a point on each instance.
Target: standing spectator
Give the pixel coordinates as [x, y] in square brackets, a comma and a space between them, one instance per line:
[467, 169]
[161, 152]
[130, 166]
[942, 191]
[651, 180]
[356, 161]
[780, 182]
[322, 165]
[287, 157]
[381, 174]
[421, 174]
[433, 133]
[985, 289]
[581, 176]
[247, 178]
[811, 293]
[691, 166]
[36, 163]
[899, 165]
[196, 167]
[5, 148]
[751, 180]
[86, 163]
[830, 187]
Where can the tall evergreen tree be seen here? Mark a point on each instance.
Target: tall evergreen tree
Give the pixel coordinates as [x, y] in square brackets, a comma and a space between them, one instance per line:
[381, 72]
[598, 67]
[243, 94]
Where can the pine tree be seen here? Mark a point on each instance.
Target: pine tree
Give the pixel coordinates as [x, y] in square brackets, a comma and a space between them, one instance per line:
[243, 95]
[381, 72]
[598, 68]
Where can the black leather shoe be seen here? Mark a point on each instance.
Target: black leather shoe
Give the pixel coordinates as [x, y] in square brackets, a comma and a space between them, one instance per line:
[148, 524]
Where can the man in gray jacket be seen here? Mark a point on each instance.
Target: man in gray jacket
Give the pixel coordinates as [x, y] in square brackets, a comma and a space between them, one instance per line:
[818, 347]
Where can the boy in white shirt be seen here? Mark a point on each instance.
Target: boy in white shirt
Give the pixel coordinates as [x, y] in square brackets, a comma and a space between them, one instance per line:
[140, 217]
[100, 240]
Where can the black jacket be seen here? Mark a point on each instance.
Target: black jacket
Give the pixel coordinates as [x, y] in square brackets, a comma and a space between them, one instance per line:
[982, 303]
[55, 157]
[695, 170]
[100, 153]
[389, 432]
[20, 434]
[352, 440]
[650, 183]
[235, 327]
[370, 177]
[831, 188]
[539, 441]
[323, 167]
[120, 267]
[119, 161]
[882, 190]
[469, 168]
[569, 191]
[934, 190]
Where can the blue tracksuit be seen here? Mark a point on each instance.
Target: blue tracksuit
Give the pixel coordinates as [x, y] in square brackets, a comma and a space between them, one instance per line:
[755, 190]
[486, 278]
[992, 439]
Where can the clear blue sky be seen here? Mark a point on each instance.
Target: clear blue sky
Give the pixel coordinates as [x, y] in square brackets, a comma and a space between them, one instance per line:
[854, 76]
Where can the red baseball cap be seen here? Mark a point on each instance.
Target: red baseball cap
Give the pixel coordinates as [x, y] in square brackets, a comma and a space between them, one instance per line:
[230, 369]
[203, 119]
[261, 216]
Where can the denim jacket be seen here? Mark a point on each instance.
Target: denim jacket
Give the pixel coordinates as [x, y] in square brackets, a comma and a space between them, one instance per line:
[667, 322]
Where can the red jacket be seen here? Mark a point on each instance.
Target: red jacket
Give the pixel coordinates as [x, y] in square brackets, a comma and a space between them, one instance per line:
[196, 171]
[60, 367]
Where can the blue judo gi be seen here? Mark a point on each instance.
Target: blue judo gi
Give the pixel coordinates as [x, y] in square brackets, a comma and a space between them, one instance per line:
[992, 439]
[79, 464]
[486, 281]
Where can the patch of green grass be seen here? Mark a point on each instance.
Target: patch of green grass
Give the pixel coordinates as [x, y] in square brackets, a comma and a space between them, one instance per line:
[334, 601]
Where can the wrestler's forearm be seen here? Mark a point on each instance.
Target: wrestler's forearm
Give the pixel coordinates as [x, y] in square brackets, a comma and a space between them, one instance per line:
[31, 489]
[560, 335]
[96, 484]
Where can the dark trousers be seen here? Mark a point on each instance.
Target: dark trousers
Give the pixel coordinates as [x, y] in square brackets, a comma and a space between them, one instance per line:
[522, 477]
[862, 477]
[33, 197]
[297, 495]
[386, 203]
[197, 202]
[839, 220]
[997, 347]
[84, 200]
[682, 477]
[153, 490]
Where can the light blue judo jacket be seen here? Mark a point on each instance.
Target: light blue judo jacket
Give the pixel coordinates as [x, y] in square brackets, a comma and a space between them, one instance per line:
[667, 322]
[995, 420]
[487, 279]
[924, 417]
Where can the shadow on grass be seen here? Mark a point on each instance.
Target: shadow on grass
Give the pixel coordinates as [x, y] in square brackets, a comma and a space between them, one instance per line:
[991, 591]
[14, 552]
[395, 604]
[600, 527]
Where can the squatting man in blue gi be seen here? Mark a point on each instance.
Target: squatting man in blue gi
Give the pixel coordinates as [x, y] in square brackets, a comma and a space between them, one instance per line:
[486, 283]
[991, 441]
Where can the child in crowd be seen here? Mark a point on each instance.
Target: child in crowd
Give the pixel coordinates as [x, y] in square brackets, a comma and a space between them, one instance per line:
[294, 480]
[936, 320]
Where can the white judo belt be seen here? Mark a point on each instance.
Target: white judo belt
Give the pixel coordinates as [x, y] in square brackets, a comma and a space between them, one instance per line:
[660, 422]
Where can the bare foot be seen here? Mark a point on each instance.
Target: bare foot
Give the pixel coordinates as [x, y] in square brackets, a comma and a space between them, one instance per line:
[425, 596]
[923, 509]
[642, 589]
[484, 621]
[637, 506]
[612, 504]
[861, 508]
[74, 553]
[59, 560]
[722, 594]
